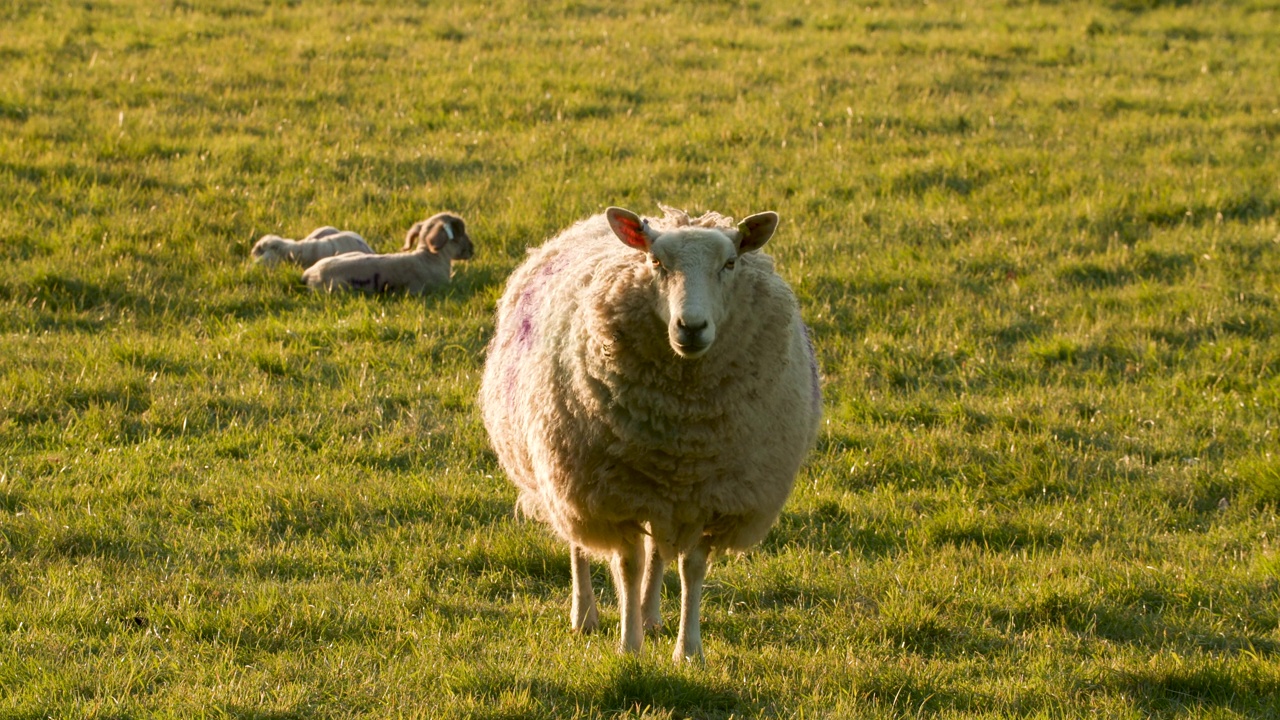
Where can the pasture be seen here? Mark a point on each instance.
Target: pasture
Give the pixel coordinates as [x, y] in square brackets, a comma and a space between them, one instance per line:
[1038, 246]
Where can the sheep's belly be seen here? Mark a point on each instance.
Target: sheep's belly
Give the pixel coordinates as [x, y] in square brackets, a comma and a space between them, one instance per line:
[676, 472]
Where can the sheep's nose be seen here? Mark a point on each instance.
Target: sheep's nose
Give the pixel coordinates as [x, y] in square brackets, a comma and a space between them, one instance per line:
[691, 328]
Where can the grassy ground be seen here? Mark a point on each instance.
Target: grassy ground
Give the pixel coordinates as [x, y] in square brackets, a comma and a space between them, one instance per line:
[1038, 246]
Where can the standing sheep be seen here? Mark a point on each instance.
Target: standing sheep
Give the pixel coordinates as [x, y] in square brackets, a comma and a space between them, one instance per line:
[323, 242]
[430, 247]
[651, 391]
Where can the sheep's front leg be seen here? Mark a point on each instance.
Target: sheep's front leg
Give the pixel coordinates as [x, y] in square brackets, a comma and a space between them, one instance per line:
[653, 569]
[693, 571]
[628, 572]
[583, 617]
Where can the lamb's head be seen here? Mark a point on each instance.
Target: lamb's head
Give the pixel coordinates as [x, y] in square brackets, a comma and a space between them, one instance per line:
[444, 234]
[269, 250]
[693, 270]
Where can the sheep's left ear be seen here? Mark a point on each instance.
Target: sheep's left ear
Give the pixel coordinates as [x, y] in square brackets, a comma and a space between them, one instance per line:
[756, 231]
[629, 228]
[411, 237]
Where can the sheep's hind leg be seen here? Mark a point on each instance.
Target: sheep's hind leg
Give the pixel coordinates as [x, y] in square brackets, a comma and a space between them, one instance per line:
[693, 571]
[652, 588]
[628, 573]
[583, 617]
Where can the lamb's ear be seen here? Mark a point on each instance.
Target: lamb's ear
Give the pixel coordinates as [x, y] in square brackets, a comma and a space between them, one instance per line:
[411, 237]
[629, 228]
[437, 240]
[756, 231]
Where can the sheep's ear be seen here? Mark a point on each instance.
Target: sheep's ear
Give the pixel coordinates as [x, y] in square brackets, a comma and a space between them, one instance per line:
[756, 231]
[411, 237]
[437, 240]
[629, 228]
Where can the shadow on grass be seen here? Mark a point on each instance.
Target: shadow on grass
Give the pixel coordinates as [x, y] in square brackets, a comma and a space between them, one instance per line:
[300, 514]
[394, 172]
[1129, 223]
[1141, 620]
[246, 713]
[1179, 691]
[472, 280]
[629, 687]
[911, 693]
[66, 302]
[112, 540]
[829, 527]
[992, 534]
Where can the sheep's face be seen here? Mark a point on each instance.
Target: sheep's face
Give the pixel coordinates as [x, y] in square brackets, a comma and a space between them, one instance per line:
[694, 270]
[269, 250]
[444, 234]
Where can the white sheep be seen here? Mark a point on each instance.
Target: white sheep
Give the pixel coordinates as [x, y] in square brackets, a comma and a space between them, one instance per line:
[430, 247]
[651, 399]
[323, 242]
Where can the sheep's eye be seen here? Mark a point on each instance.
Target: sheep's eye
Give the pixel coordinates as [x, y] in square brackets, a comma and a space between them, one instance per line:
[656, 263]
[730, 264]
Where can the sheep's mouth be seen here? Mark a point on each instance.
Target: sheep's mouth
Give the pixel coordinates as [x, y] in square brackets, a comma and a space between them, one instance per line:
[690, 351]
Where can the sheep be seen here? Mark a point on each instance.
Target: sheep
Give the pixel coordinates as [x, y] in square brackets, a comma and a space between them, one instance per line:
[651, 391]
[430, 247]
[323, 242]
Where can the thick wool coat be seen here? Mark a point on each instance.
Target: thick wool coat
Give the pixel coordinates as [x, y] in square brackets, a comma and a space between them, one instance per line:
[607, 432]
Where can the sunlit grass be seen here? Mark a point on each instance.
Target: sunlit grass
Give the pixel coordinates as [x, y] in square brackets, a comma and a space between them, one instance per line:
[1037, 246]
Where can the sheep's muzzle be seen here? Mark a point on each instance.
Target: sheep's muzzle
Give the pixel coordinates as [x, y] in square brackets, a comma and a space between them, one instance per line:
[691, 340]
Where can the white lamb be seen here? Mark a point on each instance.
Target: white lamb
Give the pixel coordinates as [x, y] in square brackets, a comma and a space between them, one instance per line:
[430, 247]
[323, 242]
[651, 399]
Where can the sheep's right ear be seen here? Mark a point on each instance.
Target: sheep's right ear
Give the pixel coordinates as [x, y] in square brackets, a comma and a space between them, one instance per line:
[629, 228]
[411, 238]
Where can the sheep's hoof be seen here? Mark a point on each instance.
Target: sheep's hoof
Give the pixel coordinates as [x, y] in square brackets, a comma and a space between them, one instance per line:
[653, 625]
[588, 623]
[689, 656]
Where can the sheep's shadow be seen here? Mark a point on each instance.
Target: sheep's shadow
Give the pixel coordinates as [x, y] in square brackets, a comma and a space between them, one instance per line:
[466, 284]
[628, 684]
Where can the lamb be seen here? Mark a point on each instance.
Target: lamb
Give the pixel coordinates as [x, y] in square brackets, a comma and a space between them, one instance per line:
[323, 242]
[651, 399]
[430, 248]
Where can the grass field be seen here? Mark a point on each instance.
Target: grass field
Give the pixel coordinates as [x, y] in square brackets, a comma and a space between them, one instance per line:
[1038, 246]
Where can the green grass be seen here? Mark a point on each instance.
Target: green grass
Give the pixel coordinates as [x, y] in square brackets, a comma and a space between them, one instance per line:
[1038, 246]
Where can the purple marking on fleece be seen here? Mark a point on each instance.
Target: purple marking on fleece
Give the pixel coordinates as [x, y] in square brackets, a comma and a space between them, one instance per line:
[522, 329]
[816, 396]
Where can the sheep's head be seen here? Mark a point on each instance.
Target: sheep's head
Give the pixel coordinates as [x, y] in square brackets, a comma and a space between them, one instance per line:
[269, 250]
[444, 234]
[694, 270]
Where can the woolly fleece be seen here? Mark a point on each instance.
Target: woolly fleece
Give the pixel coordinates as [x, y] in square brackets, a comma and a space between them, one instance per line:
[604, 429]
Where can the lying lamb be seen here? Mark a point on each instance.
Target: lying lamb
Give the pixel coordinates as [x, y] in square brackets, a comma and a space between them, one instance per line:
[323, 242]
[651, 390]
[430, 247]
